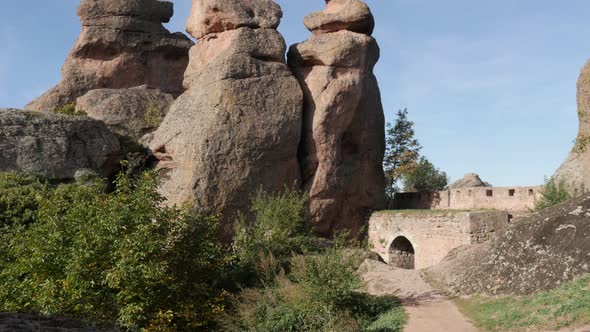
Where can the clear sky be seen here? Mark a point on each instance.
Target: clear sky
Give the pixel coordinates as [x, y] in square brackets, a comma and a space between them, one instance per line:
[490, 85]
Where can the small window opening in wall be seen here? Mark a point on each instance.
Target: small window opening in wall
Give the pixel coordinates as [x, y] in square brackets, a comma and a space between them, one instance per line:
[489, 193]
[469, 193]
[458, 193]
[531, 192]
[511, 192]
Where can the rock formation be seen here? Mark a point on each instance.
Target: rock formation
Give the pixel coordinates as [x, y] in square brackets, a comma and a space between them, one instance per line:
[56, 146]
[343, 142]
[576, 169]
[532, 254]
[123, 44]
[471, 180]
[237, 126]
[132, 112]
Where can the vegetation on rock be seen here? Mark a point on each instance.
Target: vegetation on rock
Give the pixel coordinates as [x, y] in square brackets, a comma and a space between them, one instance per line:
[68, 109]
[554, 191]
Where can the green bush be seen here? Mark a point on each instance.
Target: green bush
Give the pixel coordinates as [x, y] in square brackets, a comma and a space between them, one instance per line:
[279, 230]
[68, 109]
[321, 293]
[19, 198]
[554, 192]
[121, 256]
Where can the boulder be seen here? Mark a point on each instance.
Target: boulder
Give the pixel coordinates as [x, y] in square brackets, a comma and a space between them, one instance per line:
[533, 254]
[575, 171]
[123, 44]
[343, 139]
[131, 112]
[56, 146]
[236, 128]
[213, 16]
[352, 15]
[470, 180]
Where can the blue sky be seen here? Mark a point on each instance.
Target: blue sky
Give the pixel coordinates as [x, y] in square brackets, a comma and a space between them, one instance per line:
[490, 85]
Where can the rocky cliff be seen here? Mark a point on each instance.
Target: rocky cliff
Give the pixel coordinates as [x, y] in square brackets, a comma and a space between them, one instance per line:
[123, 44]
[343, 142]
[236, 128]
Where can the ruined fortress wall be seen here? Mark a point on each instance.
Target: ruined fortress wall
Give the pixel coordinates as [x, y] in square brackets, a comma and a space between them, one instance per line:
[433, 234]
[512, 199]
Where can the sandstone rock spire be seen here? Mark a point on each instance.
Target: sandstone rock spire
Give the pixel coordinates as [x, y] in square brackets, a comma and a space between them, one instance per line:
[343, 140]
[237, 126]
[123, 44]
[576, 169]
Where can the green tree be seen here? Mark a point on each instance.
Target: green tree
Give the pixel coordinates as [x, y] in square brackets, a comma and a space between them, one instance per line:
[425, 176]
[402, 151]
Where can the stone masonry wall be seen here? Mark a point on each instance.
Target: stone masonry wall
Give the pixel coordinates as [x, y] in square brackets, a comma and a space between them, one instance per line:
[433, 234]
[516, 200]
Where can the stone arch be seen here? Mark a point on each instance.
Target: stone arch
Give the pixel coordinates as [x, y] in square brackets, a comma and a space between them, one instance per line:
[402, 253]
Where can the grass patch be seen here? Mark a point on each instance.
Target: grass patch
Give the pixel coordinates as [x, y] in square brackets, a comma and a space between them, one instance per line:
[566, 306]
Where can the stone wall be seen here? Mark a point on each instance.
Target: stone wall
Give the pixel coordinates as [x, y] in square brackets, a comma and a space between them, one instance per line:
[516, 200]
[433, 234]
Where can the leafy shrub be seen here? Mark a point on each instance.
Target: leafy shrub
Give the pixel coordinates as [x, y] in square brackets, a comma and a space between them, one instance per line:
[279, 230]
[19, 198]
[554, 192]
[69, 109]
[321, 293]
[120, 256]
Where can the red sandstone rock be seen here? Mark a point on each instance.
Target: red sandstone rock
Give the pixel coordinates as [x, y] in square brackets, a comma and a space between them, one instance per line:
[123, 44]
[236, 128]
[212, 16]
[352, 15]
[343, 142]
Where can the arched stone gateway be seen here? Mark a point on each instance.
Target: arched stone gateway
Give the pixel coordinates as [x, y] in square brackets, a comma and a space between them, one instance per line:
[401, 253]
[419, 239]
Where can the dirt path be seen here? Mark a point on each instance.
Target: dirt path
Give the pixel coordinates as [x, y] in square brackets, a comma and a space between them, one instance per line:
[428, 310]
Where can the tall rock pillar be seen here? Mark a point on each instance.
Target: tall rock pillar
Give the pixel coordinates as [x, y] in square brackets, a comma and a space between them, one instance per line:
[123, 44]
[576, 169]
[343, 140]
[237, 126]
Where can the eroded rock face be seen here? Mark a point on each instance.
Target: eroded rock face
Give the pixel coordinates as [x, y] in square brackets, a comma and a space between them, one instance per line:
[576, 169]
[56, 146]
[133, 112]
[123, 44]
[236, 128]
[352, 15]
[471, 180]
[343, 142]
[532, 254]
[214, 16]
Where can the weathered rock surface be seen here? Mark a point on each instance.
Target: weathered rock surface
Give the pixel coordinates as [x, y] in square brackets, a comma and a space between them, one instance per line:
[352, 15]
[236, 128]
[134, 111]
[343, 142]
[532, 254]
[123, 44]
[576, 169]
[471, 180]
[213, 16]
[10, 322]
[56, 146]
